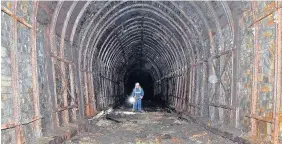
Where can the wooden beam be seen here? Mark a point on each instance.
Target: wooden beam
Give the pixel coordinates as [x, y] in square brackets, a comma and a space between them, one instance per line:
[14, 124]
[221, 106]
[278, 78]
[11, 14]
[255, 73]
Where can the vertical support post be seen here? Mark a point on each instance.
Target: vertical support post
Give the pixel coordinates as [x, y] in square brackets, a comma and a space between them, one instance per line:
[55, 114]
[65, 97]
[235, 65]
[184, 101]
[178, 94]
[54, 61]
[204, 99]
[181, 89]
[255, 73]
[34, 70]
[92, 92]
[78, 88]
[62, 46]
[233, 89]
[210, 70]
[77, 80]
[176, 91]
[191, 88]
[106, 82]
[186, 104]
[183, 78]
[64, 88]
[56, 117]
[14, 69]
[72, 89]
[278, 76]
[87, 110]
[197, 94]
[94, 96]
[167, 87]
[50, 61]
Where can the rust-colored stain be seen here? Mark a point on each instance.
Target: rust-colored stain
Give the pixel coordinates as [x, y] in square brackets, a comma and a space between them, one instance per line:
[265, 89]
[9, 5]
[87, 110]
[158, 140]
[262, 130]
[270, 20]
[272, 52]
[198, 135]
[269, 7]
[92, 112]
[246, 85]
[248, 72]
[255, 139]
[21, 135]
[176, 140]
[269, 116]
[245, 121]
[260, 77]
[4, 97]
[260, 110]
[267, 34]
[148, 141]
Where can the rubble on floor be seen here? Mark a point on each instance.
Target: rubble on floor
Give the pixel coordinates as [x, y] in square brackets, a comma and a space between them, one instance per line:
[151, 127]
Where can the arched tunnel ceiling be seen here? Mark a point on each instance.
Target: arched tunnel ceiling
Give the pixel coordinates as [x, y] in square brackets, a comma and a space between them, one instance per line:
[218, 63]
[124, 35]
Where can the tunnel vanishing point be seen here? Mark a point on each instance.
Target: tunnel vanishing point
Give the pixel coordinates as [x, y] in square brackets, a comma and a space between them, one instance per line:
[217, 62]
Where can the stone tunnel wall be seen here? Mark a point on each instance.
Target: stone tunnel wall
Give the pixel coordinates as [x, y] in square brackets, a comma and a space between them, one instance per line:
[50, 79]
[17, 61]
[235, 86]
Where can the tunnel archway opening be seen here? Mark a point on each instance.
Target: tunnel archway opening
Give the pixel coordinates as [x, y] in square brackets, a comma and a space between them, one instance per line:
[144, 78]
[218, 63]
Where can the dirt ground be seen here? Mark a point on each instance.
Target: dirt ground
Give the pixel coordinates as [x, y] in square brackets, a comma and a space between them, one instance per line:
[153, 126]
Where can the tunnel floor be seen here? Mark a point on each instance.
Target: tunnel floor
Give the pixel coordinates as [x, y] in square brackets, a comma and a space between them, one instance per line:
[156, 125]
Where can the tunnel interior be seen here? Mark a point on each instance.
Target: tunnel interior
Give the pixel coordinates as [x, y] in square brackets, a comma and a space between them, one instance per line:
[219, 62]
